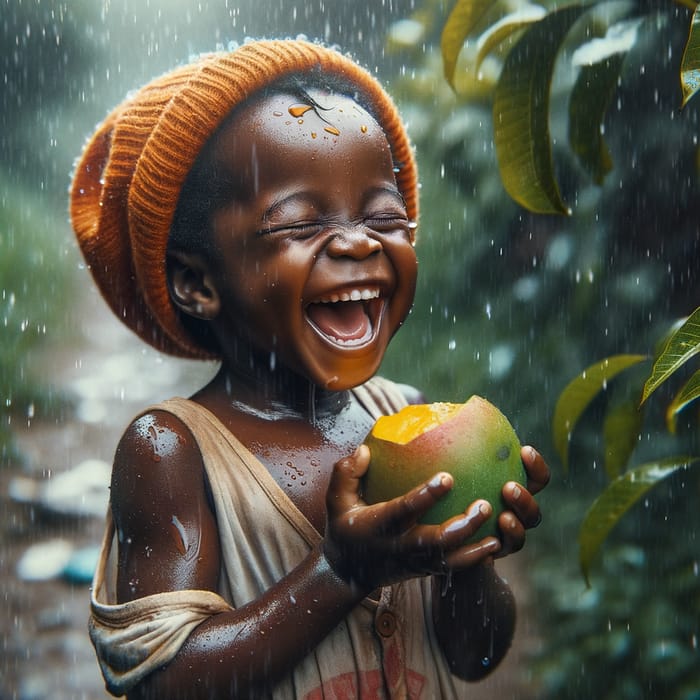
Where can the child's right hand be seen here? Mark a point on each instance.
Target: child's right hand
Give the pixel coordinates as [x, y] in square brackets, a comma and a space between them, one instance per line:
[375, 545]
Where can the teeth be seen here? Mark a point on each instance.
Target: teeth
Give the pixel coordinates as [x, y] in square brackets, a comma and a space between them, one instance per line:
[356, 341]
[353, 295]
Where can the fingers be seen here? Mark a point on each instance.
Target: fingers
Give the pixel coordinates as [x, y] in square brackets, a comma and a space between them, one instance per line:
[512, 533]
[522, 503]
[537, 470]
[344, 485]
[522, 513]
[455, 531]
[471, 555]
[402, 512]
[436, 549]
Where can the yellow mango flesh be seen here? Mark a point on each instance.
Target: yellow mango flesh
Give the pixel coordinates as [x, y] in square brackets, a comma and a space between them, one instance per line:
[473, 441]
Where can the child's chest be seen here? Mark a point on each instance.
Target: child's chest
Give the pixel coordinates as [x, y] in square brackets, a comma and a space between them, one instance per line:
[300, 457]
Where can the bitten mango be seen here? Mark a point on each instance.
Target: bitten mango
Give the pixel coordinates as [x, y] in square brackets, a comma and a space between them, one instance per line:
[472, 441]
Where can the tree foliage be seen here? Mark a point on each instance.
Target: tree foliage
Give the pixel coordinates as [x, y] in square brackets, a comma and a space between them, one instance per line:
[631, 484]
[528, 41]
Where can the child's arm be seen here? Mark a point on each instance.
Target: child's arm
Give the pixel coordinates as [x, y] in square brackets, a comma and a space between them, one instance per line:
[168, 541]
[474, 608]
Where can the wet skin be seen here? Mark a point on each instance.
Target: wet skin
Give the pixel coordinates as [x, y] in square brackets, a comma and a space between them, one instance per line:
[314, 216]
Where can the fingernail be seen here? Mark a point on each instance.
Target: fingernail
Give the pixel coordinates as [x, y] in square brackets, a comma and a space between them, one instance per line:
[517, 491]
[435, 481]
[481, 508]
[440, 479]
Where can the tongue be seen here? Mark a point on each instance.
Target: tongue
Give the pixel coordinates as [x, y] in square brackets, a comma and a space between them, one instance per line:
[344, 320]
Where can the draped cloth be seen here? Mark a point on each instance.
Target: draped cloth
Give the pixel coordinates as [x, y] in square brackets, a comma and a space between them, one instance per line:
[382, 649]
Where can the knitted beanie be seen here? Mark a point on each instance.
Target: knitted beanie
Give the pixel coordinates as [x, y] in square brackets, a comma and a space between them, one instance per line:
[127, 182]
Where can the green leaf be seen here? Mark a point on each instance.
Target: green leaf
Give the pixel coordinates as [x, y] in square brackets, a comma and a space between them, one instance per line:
[680, 347]
[621, 427]
[588, 104]
[607, 510]
[521, 114]
[690, 65]
[461, 22]
[689, 392]
[579, 393]
[505, 28]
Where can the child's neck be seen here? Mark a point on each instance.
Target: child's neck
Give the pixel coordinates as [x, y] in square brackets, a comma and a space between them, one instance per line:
[274, 394]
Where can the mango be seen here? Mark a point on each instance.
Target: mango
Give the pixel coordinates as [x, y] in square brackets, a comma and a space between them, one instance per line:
[473, 441]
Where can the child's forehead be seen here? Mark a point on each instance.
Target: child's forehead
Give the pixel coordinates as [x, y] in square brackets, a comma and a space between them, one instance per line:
[316, 112]
[302, 125]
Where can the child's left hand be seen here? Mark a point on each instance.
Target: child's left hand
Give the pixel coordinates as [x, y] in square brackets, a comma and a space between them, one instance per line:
[523, 512]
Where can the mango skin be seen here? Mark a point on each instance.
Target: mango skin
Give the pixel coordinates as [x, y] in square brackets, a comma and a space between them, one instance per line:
[477, 446]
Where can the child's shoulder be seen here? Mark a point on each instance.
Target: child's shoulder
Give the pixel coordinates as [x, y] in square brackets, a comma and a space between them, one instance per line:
[157, 458]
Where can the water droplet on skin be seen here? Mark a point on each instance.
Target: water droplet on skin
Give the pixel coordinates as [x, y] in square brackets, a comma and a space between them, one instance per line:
[332, 130]
[299, 110]
[363, 128]
[300, 121]
[313, 134]
[276, 114]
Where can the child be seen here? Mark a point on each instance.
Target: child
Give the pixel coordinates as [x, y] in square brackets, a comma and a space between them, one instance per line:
[260, 207]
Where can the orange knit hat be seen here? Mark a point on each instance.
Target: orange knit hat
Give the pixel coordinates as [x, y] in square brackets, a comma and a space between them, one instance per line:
[128, 180]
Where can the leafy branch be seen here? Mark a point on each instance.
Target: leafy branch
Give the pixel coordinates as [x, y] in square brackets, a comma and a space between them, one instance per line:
[627, 484]
[527, 42]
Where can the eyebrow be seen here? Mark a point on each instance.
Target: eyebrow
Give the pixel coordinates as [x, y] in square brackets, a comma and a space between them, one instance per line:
[306, 198]
[296, 197]
[383, 189]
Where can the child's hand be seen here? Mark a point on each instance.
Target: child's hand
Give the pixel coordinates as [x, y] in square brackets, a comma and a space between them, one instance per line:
[523, 513]
[374, 545]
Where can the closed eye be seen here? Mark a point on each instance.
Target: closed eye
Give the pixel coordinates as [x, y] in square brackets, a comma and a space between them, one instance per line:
[299, 229]
[389, 222]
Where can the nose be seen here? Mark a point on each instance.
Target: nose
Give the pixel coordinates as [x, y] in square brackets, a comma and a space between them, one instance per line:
[352, 242]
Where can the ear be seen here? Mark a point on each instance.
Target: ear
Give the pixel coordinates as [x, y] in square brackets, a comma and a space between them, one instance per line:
[191, 285]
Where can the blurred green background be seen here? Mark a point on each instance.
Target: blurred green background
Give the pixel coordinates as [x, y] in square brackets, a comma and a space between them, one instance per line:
[510, 305]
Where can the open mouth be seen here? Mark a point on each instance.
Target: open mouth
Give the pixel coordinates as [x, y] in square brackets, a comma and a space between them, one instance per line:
[347, 318]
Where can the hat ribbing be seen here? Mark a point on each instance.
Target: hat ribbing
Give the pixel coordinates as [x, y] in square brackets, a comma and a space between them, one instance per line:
[128, 180]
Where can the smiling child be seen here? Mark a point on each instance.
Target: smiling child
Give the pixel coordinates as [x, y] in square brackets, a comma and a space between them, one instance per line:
[260, 207]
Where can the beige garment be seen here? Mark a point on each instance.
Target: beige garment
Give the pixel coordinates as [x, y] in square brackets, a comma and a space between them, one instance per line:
[381, 650]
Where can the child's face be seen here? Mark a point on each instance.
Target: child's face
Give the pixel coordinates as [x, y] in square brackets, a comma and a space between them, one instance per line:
[316, 261]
